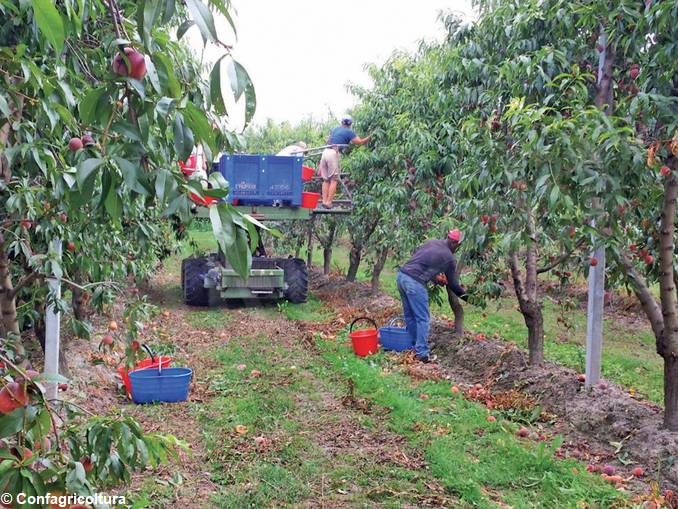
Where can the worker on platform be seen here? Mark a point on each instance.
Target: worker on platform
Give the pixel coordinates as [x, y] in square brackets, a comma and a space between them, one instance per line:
[433, 258]
[297, 149]
[339, 139]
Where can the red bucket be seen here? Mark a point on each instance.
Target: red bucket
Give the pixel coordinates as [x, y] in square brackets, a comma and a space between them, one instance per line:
[365, 341]
[146, 363]
[206, 201]
[307, 173]
[309, 200]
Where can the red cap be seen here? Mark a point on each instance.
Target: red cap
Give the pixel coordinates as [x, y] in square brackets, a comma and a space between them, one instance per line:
[454, 235]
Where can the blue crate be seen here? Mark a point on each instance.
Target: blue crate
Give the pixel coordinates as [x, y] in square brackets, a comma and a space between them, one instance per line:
[263, 179]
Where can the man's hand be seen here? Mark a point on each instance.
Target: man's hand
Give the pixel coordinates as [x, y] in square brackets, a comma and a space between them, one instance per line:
[441, 279]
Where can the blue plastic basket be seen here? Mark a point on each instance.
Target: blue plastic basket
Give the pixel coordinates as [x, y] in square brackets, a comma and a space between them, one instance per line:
[395, 338]
[263, 179]
[167, 385]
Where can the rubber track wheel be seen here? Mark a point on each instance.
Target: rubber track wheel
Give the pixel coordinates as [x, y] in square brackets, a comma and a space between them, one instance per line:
[193, 271]
[296, 280]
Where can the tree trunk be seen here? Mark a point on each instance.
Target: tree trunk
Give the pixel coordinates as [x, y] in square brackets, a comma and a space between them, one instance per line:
[79, 301]
[378, 268]
[354, 258]
[458, 311]
[8, 316]
[327, 260]
[309, 254]
[671, 392]
[534, 319]
[530, 307]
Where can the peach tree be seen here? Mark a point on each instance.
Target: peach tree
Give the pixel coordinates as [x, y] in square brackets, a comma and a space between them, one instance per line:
[99, 100]
[537, 157]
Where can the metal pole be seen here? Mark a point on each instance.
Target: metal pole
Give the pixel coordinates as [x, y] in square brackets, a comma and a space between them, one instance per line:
[594, 318]
[596, 281]
[52, 329]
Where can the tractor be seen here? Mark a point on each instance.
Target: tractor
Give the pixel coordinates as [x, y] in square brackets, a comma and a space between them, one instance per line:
[269, 188]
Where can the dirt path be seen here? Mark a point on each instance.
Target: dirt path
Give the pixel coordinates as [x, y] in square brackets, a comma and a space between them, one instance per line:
[266, 424]
[273, 421]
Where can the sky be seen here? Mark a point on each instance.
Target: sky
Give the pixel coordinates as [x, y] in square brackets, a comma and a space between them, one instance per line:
[301, 54]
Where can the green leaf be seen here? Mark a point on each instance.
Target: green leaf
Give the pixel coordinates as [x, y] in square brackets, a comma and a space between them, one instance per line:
[222, 226]
[183, 28]
[203, 19]
[240, 256]
[147, 14]
[86, 168]
[88, 106]
[183, 137]
[164, 106]
[50, 23]
[113, 204]
[168, 13]
[4, 107]
[166, 75]
[152, 74]
[131, 174]
[12, 423]
[216, 94]
[198, 123]
[239, 78]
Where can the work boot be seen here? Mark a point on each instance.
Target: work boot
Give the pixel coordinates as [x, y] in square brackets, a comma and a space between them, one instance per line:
[427, 359]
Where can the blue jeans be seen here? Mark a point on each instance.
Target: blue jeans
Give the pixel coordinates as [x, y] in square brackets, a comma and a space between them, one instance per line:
[415, 310]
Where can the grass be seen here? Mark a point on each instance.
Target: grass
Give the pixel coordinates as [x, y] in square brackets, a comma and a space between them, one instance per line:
[629, 356]
[285, 406]
[477, 460]
[311, 311]
[479, 463]
[212, 319]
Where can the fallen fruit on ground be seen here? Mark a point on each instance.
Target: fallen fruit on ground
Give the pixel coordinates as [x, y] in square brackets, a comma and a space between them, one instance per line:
[454, 389]
[638, 472]
[581, 377]
[107, 340]
[491, 418]
[240, 429]
[608, 470]
[523, 432]
[113, 325]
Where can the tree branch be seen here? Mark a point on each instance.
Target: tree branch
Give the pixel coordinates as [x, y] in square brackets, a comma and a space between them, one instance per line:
[22, 283]
[560, 259]
[647, 301]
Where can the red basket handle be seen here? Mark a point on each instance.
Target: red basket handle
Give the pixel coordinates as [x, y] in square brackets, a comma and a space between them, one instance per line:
[350, 329]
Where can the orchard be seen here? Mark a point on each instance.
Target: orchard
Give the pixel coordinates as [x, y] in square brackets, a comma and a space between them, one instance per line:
[546, 131]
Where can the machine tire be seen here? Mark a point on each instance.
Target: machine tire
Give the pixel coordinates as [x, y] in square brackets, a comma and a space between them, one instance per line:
[296, 280]
[193, 272]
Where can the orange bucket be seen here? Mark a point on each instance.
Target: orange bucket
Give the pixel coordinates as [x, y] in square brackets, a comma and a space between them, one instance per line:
[307, 173]
[365, 341]
[309, 200]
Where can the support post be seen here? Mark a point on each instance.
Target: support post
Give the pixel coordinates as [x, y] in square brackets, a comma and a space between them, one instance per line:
[594, 318]
[596, 282]
[52, 329]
